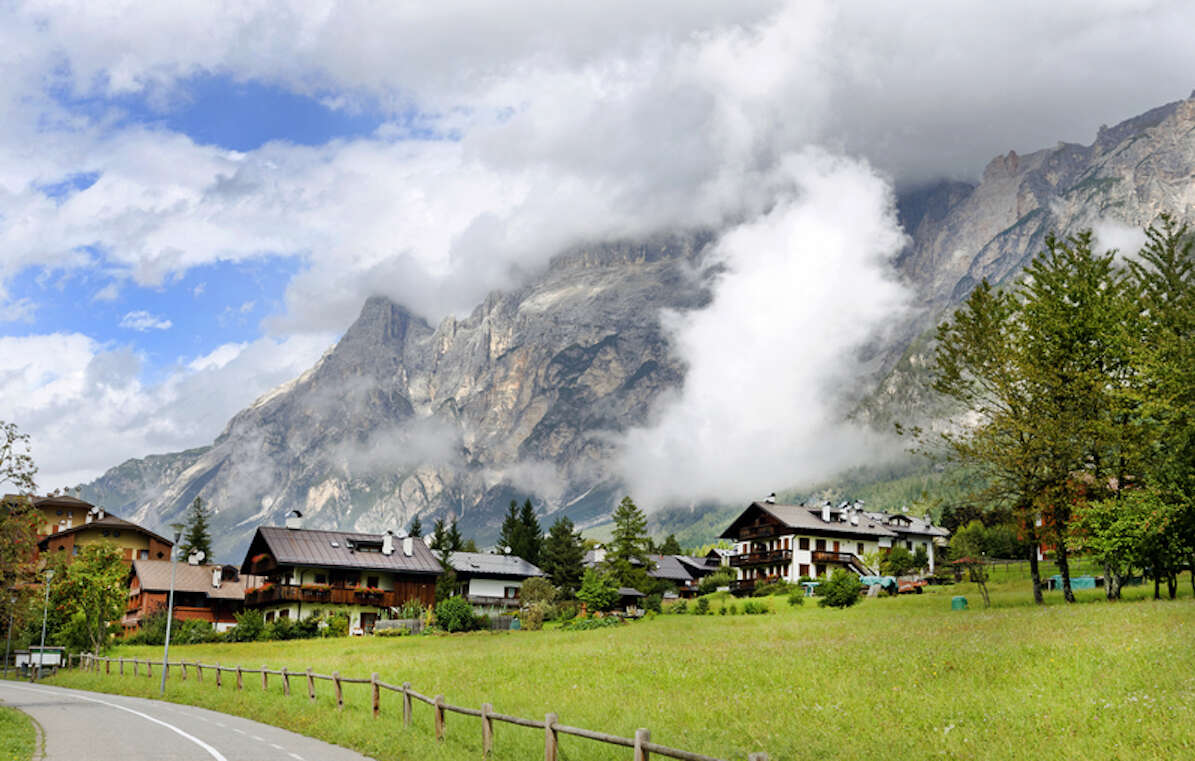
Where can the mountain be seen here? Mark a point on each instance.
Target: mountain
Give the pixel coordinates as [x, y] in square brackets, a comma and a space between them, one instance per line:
[402, 418]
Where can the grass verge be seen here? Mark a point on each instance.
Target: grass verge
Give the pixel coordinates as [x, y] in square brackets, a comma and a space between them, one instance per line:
[18, 735]
[892, 677]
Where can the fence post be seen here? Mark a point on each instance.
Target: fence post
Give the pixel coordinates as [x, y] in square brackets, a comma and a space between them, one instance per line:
[183, 665]
[134, 667]
[487, 730]
[406, 704]
[285, 682]
[439, 711]
[551, 742]
[339, 692]
[107, 666]
[310, 685]
[264, 684]
[149, 668]
[377, 697]
[198, 671]
[218, 674]
[641, 736]
[122, 665]
[240, 679]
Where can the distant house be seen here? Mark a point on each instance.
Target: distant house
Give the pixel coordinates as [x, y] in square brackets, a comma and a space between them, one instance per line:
[67, 524]
[681, 571]
[367, 576]
[212, 593]
[785, 542]
[491, 581]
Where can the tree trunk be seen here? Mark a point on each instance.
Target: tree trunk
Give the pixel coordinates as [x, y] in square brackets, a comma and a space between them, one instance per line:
[1034, 571]
[1064, 568]
[1191, 565]
[1157, 582]
[1171, 584]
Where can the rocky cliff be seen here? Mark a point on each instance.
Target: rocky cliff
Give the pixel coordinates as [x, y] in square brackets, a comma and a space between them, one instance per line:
[403, 418]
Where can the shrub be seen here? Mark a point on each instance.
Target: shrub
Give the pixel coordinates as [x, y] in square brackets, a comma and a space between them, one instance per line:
[250, 627]
[280, 629]
[567, 610]
[796, 598]
[334, 625]
[680, 608]
[779, 587]
[192, 631]
[719, 578]
[598, 590]
[584, 624]
[722, 611]
[653, 602]
[734, 609]
[456, 615]
[411, 609]
[702, 607]
[532, 617]
[393, 631]
[537, 590]
[841, 591]
[753, 608]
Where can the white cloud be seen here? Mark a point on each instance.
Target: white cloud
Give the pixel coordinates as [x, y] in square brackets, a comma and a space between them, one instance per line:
[142, 321]
[87, 408]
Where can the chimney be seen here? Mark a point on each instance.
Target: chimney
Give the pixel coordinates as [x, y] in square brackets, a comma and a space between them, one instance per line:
[294, 519]
[771, 500]
[88, 518]
[826, 512]
[99, 514]
[388, 543]
[408, 545]
[217, 575]
[854, 520]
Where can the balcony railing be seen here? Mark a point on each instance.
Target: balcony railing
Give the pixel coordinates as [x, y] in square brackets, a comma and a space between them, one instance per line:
[488, 601]
[354, 596]
[760, 558]
[748, 585]
[822, 556]
[758, 532]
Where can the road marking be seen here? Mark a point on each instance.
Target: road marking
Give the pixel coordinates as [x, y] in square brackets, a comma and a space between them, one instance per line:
[211, 751]
[275, 746]
[255, 737]
[296, 756]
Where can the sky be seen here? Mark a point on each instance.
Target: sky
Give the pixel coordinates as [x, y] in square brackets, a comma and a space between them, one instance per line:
[197, 197]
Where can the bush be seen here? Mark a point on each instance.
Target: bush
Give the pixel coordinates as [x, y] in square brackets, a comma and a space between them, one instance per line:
[598, 590]
[393, 631]
[250, 627]
[653, 602]
[841, 591]
[720, 578]
[280, 629]
[584, 624]
[753, 608]
[567, 610]
[898, 562]
[192, 631]
[532, 616]
[702, 607]
[456, 615]
[537, 590]
[411, 609]
[680, 608]
[334, 625]
[734, 609]
[779, 587]
[796, 598]
[722, 611]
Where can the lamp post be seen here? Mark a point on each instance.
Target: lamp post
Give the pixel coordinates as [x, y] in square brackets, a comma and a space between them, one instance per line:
[178, 531]
[41, 654]
[12, 604]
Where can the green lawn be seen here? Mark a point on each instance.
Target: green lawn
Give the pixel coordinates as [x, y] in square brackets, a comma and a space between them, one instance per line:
[891, 678]
[18, 736]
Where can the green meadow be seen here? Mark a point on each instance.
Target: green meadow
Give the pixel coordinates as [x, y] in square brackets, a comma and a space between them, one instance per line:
[18, 736]
[904, 678]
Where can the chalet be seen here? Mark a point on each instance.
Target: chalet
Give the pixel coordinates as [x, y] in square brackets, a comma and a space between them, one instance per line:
[134, 542]
[680, 571]
[491, 581]
[212, 593]
[308, 572]
[775, 542]
[914, 533]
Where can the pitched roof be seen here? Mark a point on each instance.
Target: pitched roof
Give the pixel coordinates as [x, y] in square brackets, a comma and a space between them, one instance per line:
[335, 549]
[154, 576]
[109, 521]
[916, 525]
[669, 567]
[485, 564]
[809, 520]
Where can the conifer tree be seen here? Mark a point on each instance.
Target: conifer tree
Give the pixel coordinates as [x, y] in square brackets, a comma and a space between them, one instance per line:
[197, 536]
[563, 555]
[508, 536]
[530, 534]
[416, 529]
[627, 556]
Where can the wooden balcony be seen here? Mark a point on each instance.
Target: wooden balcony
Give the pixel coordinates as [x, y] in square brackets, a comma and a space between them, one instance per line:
[746, 586]
[326, 596]
[822, 556]
[758, 532]
[761, 558]
[487, 601]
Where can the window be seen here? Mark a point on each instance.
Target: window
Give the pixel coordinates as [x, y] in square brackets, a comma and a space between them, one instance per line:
[803, 543]
[909, 546]
[269, 616]
[786, 543]
[803, 569]
[511, 593]
[105, 532]
[143, 554]
[284, 613]
[61, 548]
[817, 570]
[75, 549]
[321, 578]
[371, 581]
[820, 545]
[116, 532]
[859, 549]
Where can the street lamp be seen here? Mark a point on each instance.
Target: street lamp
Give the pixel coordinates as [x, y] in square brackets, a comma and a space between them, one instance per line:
[12, 604]
[41, 654]
[178, 531]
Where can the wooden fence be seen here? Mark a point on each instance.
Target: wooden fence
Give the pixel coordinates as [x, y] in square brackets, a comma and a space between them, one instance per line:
[641, 743]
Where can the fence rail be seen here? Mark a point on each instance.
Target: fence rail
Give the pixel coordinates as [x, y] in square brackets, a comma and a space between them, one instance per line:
[641, 743]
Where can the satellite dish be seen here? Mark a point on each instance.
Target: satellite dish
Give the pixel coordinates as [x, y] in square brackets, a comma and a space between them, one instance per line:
[195, 558]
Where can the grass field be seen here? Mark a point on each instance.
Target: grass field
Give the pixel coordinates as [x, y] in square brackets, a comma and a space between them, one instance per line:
[18, 736]
[899, 678]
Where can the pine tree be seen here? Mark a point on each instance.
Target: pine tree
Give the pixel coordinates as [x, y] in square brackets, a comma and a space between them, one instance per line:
[453, 539]
[439, 535]
[627, 556]
[671, 546]
[530, 534]
[197, 537]
[508, 536]
[563, 555]
[416, 529]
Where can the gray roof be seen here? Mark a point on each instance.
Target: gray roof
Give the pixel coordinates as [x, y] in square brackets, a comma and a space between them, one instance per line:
[630, 592]
[809, 520]
[669, 567]
[916, 525]
[334, 549]
[484, 564]
[154, 576]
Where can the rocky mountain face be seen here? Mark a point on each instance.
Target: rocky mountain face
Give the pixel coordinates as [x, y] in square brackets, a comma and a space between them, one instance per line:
[402, 418]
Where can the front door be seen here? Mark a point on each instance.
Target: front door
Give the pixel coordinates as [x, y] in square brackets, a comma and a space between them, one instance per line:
[836, 545]
[367, 622]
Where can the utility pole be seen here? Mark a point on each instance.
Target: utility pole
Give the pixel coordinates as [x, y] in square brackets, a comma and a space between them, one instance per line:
[178, 531]
[41, 654]
[12, 604]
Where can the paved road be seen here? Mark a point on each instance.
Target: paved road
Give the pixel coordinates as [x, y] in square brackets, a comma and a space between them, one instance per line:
[94, 726]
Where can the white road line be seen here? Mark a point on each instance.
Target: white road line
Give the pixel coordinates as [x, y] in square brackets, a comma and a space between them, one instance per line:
[295, 756]
[275, 746]
[211, 751]
[255, 737]
[238, 731]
